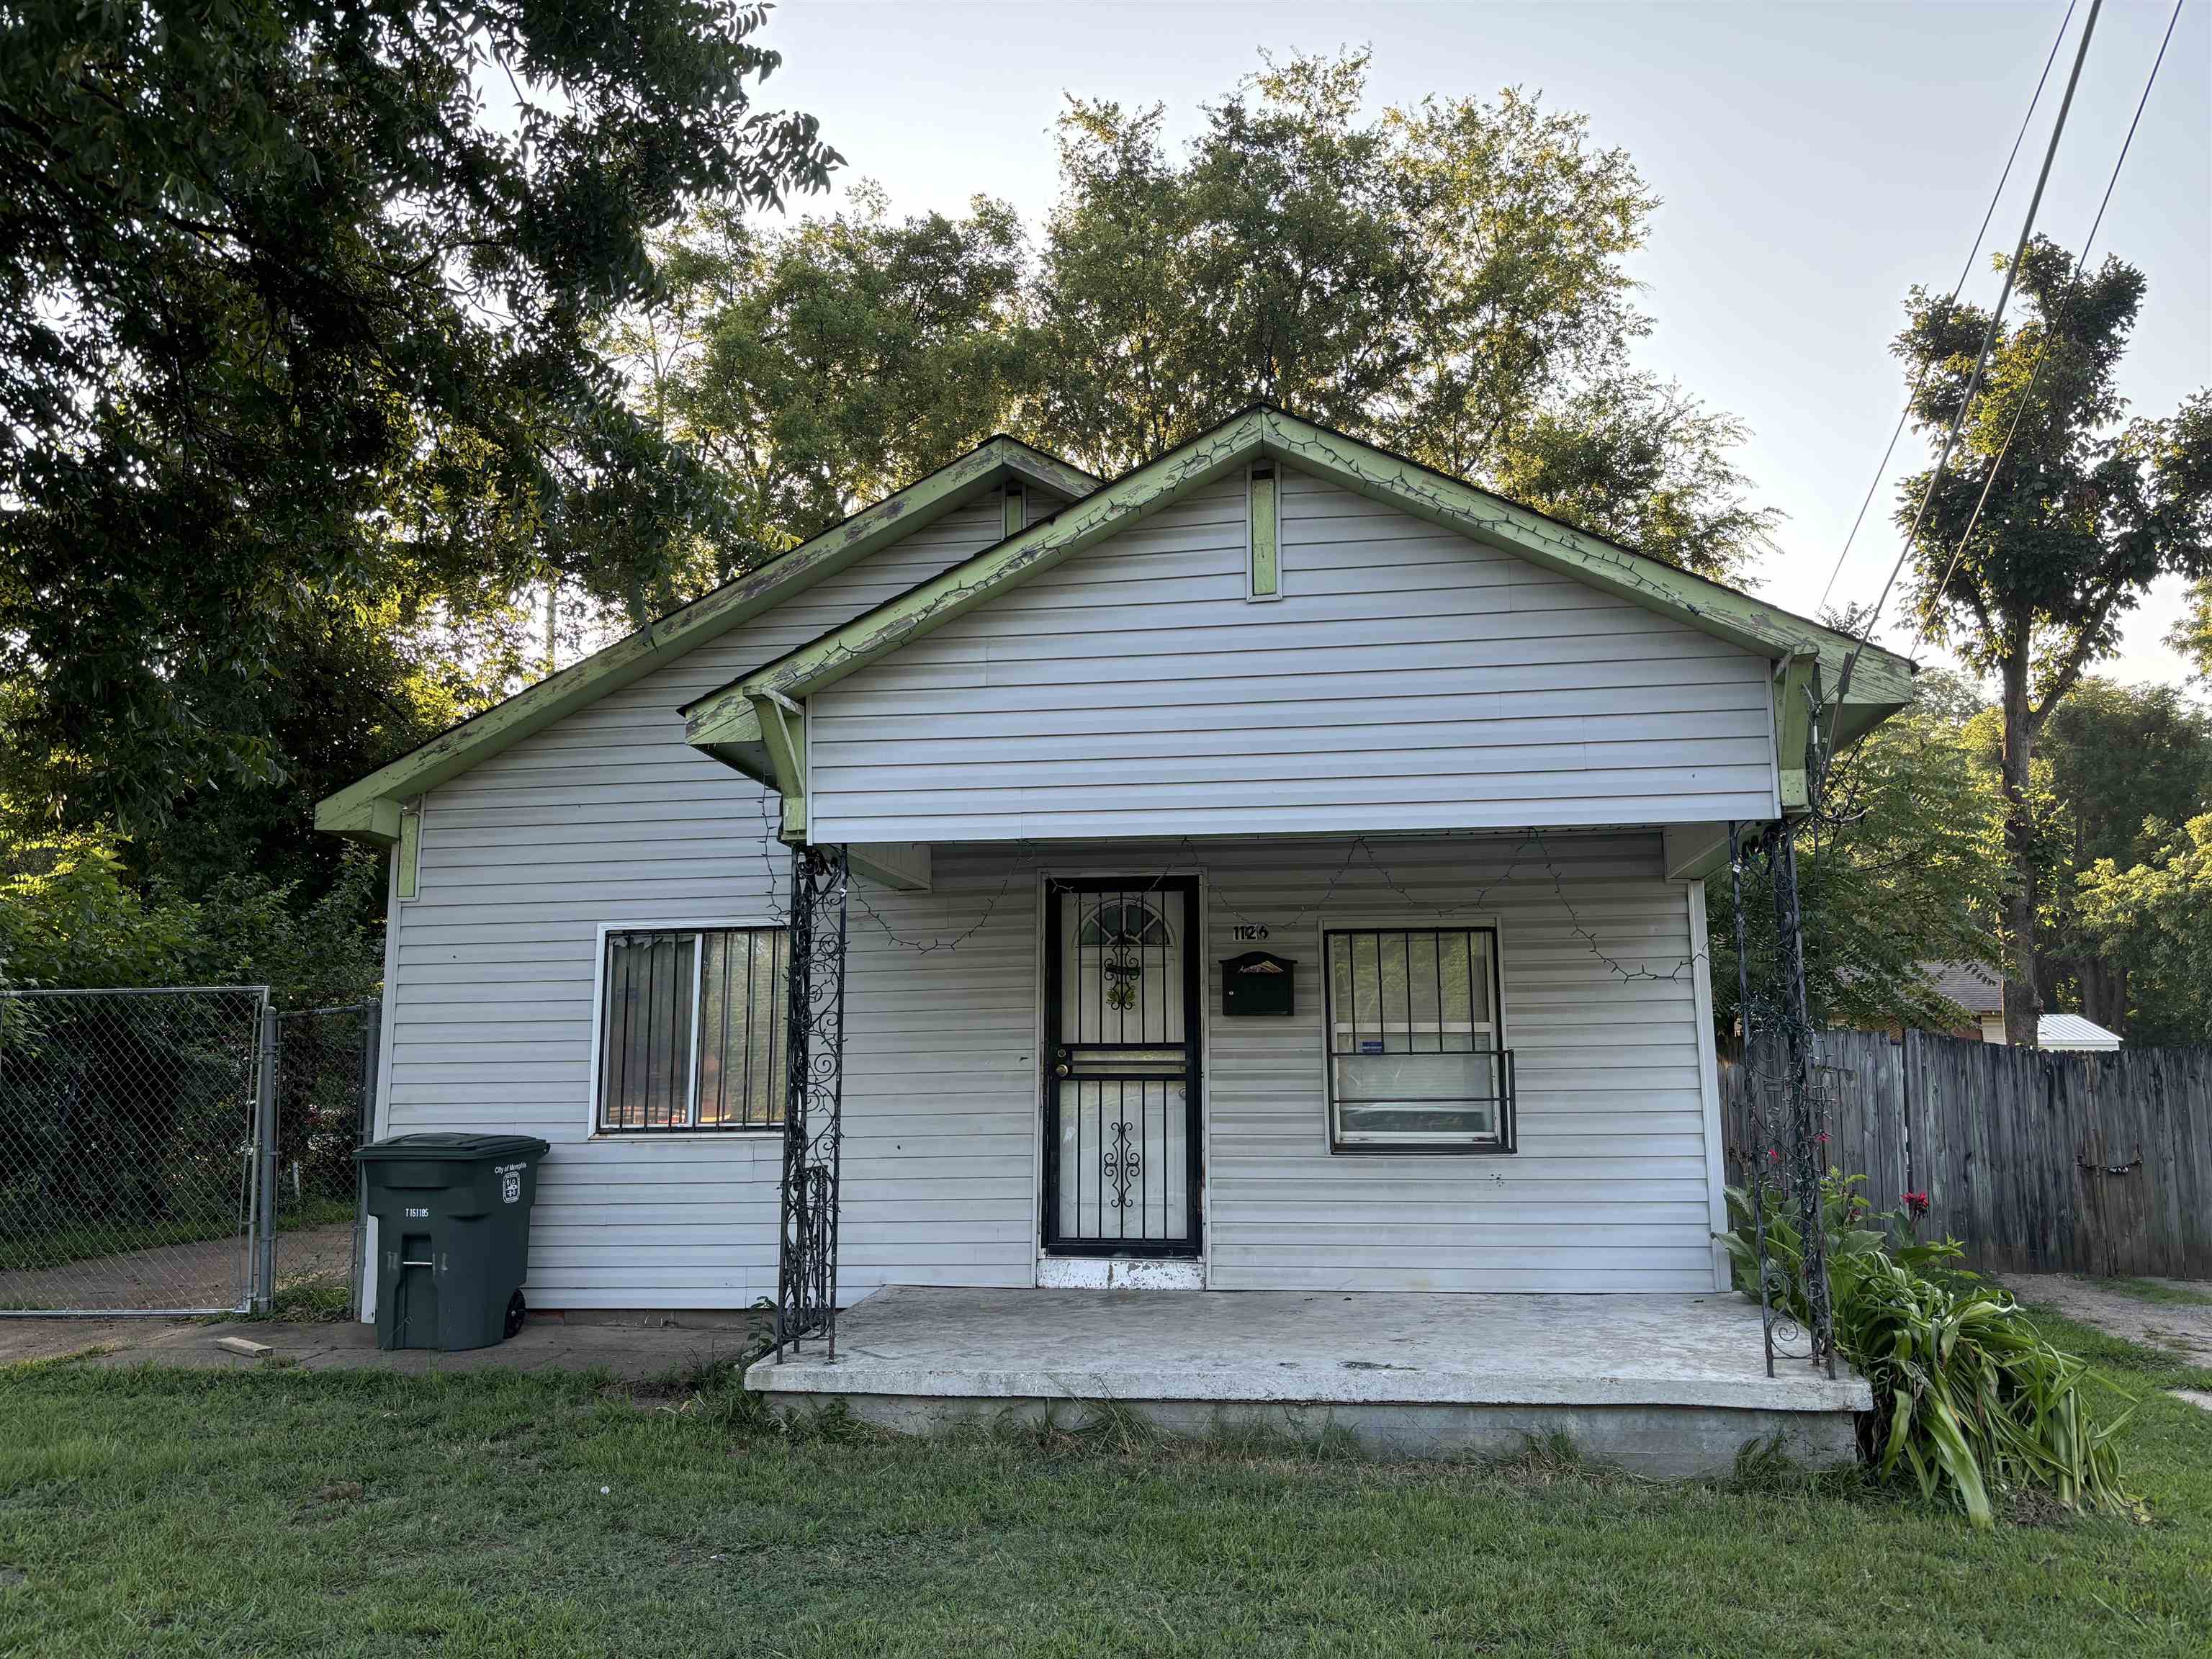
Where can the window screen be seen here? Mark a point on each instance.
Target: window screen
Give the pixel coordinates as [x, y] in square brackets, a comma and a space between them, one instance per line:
[1414, 1060]
[691, 1030]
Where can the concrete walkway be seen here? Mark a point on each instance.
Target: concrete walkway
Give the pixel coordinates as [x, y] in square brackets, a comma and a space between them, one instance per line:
[630, 1352]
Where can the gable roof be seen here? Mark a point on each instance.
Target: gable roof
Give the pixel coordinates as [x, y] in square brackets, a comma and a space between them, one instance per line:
[754, 723]
[369, 808]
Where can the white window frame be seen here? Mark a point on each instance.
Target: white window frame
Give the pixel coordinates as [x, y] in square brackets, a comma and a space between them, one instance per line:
[592, 1102]
[1396, 922]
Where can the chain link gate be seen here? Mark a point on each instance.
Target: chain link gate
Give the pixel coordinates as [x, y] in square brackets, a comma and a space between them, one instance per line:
[131, 1127]
[327, 1061]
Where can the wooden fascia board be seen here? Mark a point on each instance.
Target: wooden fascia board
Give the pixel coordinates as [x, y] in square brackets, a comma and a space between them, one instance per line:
[367, 809]
[1794, 689]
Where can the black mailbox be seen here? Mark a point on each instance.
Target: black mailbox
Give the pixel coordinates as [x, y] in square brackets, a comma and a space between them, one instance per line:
[1257, 983]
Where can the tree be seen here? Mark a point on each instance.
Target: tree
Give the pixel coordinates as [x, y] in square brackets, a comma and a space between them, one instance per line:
[291, 317]
[2157, 916]
[2116, 767]
[1448, 280]
[1910, 879]
[2192, 635]
[2082, 513]
[815, 368]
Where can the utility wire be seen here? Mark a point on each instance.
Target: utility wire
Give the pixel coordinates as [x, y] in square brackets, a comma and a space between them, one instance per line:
[2051, 325]
[1982, 361]
[1881, 469]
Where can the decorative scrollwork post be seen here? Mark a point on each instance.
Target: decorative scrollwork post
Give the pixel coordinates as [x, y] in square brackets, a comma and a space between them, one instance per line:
[1781, 1118]
[1804, 1145]
[813, 1130]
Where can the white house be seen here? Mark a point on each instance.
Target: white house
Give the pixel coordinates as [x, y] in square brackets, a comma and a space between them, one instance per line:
[1277, 869]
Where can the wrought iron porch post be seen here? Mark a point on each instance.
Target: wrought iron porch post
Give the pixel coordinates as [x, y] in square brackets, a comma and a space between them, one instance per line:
[1754, 1118]
[1797, 1086]
[813, 1133]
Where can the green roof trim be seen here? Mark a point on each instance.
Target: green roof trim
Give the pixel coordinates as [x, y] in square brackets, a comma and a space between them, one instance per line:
[370, 810]
[1881, 684]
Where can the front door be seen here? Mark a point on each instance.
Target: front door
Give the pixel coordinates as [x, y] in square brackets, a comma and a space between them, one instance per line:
[1121, 1066]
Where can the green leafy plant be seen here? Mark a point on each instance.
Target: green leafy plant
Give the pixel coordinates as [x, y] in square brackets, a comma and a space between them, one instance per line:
[1969, 1400]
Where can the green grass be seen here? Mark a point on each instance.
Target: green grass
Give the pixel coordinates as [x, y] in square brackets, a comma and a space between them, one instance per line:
[2150, 1290]
[277, 1511]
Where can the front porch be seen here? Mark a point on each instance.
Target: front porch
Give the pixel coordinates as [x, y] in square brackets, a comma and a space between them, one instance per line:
[1667, 1386]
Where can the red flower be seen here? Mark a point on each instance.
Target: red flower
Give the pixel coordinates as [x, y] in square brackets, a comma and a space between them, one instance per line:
[1917, 1203]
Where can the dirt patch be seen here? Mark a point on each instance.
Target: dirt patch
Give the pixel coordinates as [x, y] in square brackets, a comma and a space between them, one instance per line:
[2180, 1326]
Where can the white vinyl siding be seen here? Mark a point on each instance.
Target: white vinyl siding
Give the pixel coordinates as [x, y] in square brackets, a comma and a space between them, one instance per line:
[609, 819]
[1409, 679]
[1608, 1190]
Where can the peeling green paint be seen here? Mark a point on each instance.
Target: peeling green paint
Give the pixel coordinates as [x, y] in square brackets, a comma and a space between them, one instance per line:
[409, 853]
[1796, 688]
[1016, 519]
[368, 809]
[1262, 566]
[1882, 683]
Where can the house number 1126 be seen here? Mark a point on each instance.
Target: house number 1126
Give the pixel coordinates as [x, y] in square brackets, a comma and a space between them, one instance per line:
[1256, 932]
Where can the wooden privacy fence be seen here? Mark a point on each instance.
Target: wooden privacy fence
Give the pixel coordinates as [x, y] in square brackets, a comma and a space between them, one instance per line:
[2035, 1161]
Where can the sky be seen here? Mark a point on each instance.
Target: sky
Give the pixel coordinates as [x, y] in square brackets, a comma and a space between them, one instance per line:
[1814, 162]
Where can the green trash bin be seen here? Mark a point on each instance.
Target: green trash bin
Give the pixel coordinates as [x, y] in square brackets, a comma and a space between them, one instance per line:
[452, 1236]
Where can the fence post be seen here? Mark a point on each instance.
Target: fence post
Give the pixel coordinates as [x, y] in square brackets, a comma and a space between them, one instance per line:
[364, 1131]
[264, 1290]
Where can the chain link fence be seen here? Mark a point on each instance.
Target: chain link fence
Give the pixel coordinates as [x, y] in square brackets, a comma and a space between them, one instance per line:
[325, 1094]
[129, 1179]
[181, 1151]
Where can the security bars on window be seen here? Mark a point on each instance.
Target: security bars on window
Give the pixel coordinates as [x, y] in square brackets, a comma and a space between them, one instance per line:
[691, 1030]
[1414, 1060]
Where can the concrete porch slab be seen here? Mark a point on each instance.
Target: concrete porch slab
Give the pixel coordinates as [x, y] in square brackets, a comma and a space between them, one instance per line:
[1667, 1385]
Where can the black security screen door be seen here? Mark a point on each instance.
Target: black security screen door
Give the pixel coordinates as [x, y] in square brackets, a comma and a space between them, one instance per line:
[1121, 1066]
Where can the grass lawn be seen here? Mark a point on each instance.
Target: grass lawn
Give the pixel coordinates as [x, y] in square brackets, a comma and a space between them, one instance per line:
[164, 1512]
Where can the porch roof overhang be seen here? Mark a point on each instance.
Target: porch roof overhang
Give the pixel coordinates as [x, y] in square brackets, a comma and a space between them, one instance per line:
[757, 723]
[371, 808]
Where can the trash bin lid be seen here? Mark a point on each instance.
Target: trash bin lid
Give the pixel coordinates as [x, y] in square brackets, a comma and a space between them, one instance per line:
[450, 1147]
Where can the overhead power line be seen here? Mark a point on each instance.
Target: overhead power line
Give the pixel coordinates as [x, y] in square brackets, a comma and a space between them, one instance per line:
[1981, 360]
[1882, 468]
[2051, 327]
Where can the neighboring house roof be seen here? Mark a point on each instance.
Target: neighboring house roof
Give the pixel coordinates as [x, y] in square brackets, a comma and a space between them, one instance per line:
[1973, 986]
[1980, 992]
[2073, 1031]
[753, 722]
[369, 808]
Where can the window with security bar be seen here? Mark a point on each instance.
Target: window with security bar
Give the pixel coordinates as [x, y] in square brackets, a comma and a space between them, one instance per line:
[691, 1030]
[1416, 1063]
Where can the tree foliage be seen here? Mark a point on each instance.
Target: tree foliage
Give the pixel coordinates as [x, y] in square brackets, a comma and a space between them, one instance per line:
[296, 312]
[2156, 916]
[1911, 878]
[2059, 514]
[1448, 280]
[2117, 767]
[816, 367]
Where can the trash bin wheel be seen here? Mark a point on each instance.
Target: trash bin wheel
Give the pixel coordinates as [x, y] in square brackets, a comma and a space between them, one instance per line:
[516, 1307]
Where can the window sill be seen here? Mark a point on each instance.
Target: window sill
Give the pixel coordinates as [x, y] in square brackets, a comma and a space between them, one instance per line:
[1419, 1149]
[618, 1137]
